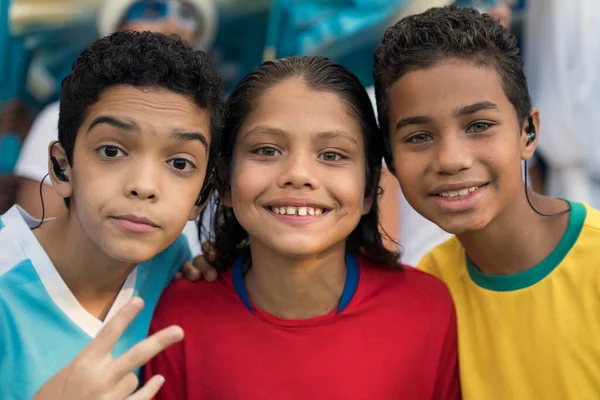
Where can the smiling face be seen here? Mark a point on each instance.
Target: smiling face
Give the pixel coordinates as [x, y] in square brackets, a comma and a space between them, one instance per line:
[139, 162]
[456, 144]
[298, 171]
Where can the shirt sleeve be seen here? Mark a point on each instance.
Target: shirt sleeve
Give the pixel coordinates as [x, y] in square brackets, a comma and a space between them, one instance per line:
[447, 385]
[170, 363]
[33, 159]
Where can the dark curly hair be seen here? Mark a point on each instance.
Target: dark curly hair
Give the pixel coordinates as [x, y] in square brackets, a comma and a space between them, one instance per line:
[423, 40]
[319, 73]
[142, 59]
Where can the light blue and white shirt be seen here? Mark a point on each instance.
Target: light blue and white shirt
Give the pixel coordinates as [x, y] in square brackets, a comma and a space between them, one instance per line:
[42, 325]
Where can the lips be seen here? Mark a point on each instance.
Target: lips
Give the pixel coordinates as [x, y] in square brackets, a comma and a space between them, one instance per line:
[135, 223]
[457, 190]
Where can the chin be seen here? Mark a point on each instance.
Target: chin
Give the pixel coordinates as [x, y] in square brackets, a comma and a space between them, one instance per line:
[297, 249]
[461, 225]
[133, 253]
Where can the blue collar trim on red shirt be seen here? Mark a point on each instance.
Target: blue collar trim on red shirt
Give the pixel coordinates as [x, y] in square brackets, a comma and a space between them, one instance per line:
[352, 274]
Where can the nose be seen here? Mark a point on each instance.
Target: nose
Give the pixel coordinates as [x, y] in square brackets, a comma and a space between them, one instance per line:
[452, 155]
[143, 182]
[298, 172]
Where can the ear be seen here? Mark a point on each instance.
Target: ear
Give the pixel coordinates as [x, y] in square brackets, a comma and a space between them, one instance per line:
[368, 204]
[527, 149]
[195, 212]
[63, 188]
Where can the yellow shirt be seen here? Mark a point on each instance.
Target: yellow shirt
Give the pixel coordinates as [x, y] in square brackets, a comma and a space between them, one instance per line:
[535, 334]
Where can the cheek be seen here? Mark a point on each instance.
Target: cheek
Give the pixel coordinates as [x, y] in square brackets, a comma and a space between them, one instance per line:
[246, 184]
[92, 187]
[348, 189]
[409, 172]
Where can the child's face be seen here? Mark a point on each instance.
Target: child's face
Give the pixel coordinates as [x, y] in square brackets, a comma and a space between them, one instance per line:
[456, 144]
[298, 172]
[139, 162]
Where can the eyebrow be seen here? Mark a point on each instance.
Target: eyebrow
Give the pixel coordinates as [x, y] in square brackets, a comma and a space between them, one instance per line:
[191, 136]
[466, 110]
[265, 130]
[473, 108]
[337, 135]
[130, 126]
[413, 121]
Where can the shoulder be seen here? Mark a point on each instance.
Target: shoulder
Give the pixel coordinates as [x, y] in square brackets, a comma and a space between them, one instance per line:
[184, 299]
[443, 259]
[12, 241]
[408, 285]
[585, 245]
[592, 220]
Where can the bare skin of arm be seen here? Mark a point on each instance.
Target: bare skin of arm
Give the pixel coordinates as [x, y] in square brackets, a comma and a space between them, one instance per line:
[28, 197]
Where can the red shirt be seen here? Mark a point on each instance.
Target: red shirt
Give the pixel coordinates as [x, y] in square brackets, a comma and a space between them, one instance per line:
[396, 339]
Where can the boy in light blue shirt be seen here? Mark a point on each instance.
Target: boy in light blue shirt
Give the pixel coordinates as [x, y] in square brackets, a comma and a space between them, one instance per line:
[139, 117]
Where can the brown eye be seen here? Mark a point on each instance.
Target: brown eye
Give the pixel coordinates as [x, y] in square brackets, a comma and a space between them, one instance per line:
[110, 152]
[479, 127]
[181, 164]
[331, 156]
[268, 151]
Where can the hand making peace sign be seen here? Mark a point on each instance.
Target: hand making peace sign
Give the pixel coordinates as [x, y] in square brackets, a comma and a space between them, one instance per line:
[95, 374]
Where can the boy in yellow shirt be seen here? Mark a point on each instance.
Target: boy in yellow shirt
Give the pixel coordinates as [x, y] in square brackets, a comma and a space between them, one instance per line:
[523, 269]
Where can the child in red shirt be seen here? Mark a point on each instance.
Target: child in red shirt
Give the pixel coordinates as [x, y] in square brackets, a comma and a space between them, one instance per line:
[309, 303]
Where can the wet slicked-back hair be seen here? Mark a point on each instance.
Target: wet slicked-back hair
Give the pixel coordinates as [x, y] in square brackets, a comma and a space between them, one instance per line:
[320, 74]
[424, 40]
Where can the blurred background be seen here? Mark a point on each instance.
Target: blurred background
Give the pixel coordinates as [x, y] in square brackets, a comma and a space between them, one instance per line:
[40, 39]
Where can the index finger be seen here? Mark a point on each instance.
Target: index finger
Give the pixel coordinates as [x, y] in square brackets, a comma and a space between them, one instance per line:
[145, 350]
[110, 333]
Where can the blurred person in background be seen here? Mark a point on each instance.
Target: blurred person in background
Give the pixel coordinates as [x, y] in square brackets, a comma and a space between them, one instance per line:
[195, 21]
[562, 60]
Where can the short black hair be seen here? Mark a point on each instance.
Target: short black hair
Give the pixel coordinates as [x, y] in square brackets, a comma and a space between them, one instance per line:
[423, 40]
[141, 59]
[322, 74]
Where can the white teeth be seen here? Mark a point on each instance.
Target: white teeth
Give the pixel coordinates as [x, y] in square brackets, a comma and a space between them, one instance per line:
[460, 192]
[301, 211]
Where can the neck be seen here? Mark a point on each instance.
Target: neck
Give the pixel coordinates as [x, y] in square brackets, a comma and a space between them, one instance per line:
[518, 238]
[93, 277]
[296, 288]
